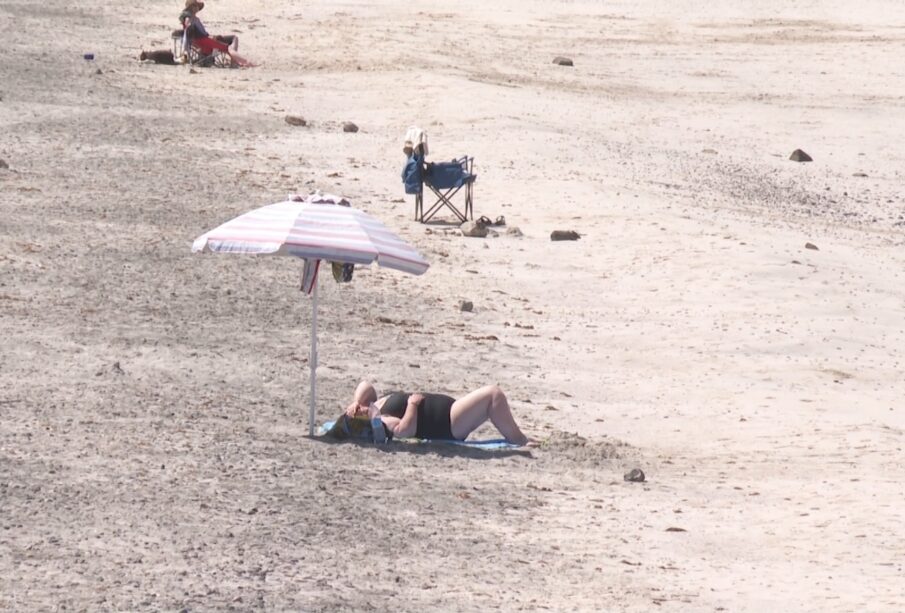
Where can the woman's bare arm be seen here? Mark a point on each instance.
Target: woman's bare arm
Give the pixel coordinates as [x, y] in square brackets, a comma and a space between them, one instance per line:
[364, 395]
[408, 425]
[390, 422]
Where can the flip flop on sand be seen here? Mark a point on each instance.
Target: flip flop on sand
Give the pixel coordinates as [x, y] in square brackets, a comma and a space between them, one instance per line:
[484, 221]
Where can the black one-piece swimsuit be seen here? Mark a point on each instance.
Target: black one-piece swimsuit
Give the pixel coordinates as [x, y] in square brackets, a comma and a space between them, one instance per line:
[433, 413]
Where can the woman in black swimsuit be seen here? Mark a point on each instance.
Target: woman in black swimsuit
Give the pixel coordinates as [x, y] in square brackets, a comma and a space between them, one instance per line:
[439, 416]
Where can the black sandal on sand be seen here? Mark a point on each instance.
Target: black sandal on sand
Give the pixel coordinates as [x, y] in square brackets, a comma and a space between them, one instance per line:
[500, 221]
[484, 221]
[636, 475]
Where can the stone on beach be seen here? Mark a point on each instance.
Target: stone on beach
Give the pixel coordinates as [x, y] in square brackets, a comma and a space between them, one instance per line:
[635, 475]
[800, 156]
[564, 235]
[473, 229]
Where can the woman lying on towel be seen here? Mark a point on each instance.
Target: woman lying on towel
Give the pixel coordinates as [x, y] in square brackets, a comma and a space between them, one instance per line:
[437, 416]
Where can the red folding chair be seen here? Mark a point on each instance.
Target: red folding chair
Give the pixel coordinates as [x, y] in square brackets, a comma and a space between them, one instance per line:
[204, 51]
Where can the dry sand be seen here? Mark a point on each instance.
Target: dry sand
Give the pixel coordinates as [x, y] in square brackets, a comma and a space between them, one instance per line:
[152, 402]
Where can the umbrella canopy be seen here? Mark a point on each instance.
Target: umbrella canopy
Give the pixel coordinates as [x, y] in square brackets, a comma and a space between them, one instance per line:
[313, 231]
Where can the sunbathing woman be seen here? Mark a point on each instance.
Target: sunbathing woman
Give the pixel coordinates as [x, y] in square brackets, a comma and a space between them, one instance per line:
[439, 416]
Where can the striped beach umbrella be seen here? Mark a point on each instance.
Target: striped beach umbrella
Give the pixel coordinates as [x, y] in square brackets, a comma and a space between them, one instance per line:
[313, 231]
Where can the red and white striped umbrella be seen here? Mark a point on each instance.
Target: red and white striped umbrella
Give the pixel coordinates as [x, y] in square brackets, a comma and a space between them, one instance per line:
[313, 232]
[316, 232]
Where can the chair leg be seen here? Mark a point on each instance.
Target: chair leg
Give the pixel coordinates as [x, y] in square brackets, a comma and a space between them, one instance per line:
[469, 201]
[444, 199]
[419, 207]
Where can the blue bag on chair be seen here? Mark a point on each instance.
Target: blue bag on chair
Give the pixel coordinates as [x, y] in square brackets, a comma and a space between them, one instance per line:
[444, 175]
[411, 174]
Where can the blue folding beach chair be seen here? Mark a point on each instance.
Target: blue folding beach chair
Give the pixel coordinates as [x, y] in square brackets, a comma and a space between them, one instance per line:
[445, 180]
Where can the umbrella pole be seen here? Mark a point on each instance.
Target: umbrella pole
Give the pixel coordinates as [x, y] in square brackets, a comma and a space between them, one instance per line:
[312, 360]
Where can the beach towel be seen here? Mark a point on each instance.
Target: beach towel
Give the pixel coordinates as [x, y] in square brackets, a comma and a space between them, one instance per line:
[361, 430]
[415, 136]
[411, 174]
[492, 443]
[309, 275]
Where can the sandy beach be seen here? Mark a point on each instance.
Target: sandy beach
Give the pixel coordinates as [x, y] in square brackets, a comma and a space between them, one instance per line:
[730, 321]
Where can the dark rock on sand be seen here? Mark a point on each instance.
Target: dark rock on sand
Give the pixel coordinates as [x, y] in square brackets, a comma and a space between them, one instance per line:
[800, 156]
[295, 120]
[564, 235]
[4, 165]
[466, 306]
[811, 246]
[635, 475]
[562, 61]
[350, 127]
[862, 175]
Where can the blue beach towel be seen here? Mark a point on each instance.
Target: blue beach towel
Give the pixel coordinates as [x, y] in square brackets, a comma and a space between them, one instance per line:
[493, 443]
[411, 174]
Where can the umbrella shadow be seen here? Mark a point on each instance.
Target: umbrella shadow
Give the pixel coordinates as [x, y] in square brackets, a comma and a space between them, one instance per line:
[444, 450]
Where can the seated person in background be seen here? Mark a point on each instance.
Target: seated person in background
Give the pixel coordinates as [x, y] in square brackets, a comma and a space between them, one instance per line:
[437, 416]
[195, 31]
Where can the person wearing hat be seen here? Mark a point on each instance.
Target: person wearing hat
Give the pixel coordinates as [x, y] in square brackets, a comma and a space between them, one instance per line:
[190, 21]
[194, 30]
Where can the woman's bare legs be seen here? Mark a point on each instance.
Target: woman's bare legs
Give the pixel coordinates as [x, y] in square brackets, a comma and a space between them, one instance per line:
[237, 59]
[488, 402]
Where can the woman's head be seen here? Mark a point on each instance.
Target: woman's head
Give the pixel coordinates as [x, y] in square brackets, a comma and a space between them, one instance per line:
[193, 5]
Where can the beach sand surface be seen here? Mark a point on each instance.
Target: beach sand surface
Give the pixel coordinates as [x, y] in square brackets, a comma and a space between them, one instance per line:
[153, 403]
